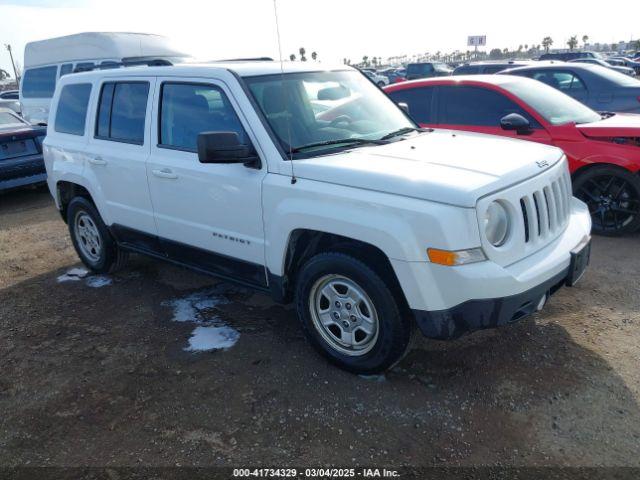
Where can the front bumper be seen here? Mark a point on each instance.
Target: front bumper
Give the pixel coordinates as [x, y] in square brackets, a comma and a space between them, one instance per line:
[21, 171]
[448, 301]
[486, 313]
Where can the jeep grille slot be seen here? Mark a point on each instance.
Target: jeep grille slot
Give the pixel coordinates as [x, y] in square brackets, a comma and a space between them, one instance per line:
[546, 211]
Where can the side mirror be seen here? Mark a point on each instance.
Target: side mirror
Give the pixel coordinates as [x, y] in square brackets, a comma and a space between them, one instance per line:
[404, 107]
[515, 121]
[225, 147]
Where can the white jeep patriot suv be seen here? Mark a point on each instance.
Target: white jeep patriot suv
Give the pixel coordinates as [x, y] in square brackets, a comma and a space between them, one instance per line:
[309, 183]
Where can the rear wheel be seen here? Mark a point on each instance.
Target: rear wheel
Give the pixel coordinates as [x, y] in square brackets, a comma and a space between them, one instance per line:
[349, 314]
[94, 244]
[613, 197]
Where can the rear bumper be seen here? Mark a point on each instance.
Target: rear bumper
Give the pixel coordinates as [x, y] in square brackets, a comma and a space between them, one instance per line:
[486, 313]
[22, 171]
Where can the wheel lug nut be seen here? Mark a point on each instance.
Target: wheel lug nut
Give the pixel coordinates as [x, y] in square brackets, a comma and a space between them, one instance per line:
[336, 315]
[348, 306]
[338, 304]
[353, 318]
[346, 324]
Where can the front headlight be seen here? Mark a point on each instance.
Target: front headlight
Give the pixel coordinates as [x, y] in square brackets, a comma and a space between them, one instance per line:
[496, 224]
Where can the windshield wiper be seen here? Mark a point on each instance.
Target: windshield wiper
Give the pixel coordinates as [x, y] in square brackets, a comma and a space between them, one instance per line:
[346, 141]
[402, 131]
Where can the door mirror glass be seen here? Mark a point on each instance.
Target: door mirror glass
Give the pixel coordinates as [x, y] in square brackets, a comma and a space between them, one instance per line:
[515, 121]
[224, 147]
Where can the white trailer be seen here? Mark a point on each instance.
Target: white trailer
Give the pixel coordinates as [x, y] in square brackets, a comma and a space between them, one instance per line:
[45, 61]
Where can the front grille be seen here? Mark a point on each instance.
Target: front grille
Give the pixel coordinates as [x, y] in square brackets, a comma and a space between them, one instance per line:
[546, 211]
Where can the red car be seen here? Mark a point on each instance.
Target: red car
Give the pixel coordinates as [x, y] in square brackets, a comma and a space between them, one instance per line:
[603, 148]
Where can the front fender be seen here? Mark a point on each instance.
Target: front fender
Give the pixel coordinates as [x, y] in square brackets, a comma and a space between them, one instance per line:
[401, 227]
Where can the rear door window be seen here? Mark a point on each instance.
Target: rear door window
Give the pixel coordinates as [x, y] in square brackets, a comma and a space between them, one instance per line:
[39, 82]
[418, 100]
[71, 114]
[122, 112]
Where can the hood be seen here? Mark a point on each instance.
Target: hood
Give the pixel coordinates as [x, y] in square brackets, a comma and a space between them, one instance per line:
[618, 125]
[443, 166]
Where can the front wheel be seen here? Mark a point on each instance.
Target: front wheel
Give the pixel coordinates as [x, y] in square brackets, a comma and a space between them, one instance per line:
[613, 197]
[349, 314]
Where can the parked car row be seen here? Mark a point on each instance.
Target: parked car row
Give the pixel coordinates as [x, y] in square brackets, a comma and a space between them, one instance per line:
[601, 88]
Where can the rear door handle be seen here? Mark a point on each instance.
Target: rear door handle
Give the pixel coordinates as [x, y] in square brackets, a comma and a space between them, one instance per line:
[97, 161]
[165, 173]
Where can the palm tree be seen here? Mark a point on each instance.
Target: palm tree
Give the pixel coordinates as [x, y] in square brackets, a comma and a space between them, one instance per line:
[546, 43]
[314, 56]
[302, 52]
[585, 39]
[572, 42]
[292, 57]
[365, 61]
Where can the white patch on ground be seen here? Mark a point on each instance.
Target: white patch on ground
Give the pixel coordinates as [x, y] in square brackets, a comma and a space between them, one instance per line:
[73, 275]
[196, 307]
[212, 338]
[98, 281]
[201, 308]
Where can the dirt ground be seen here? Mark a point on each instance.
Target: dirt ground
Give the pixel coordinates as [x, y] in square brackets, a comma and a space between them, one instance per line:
[100, 376]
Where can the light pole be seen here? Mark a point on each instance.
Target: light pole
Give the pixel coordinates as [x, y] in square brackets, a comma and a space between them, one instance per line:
[15, 72]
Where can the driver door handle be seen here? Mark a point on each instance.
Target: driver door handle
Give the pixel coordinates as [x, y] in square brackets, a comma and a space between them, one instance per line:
[165, 173]
[97, 161]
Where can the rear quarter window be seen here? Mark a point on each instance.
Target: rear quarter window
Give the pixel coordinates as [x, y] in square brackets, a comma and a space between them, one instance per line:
[39, 82]
[71, 114]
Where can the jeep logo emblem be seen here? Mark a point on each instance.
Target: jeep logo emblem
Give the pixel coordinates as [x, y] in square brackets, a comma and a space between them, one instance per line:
[542, 163]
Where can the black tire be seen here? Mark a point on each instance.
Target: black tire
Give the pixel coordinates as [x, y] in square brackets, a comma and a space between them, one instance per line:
[109, 257]
[394, 329]
[613, 196]
[381, 84]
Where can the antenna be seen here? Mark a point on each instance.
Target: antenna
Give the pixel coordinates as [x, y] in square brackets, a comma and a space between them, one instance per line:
[284, 93]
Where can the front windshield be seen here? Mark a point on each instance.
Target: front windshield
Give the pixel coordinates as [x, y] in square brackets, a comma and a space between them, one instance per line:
[556, 107]
[305, 109]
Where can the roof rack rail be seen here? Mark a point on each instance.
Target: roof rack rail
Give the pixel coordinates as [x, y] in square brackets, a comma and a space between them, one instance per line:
[126, 62]
[254, 59]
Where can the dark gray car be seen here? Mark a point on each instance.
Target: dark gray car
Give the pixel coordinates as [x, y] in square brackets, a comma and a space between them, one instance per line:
[598, 87]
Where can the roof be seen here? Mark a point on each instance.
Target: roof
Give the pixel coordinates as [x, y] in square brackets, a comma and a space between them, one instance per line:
[242, 68]
[491, 79]
[97, 46]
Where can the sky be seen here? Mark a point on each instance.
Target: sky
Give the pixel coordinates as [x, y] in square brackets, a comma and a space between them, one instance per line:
[335, 29]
